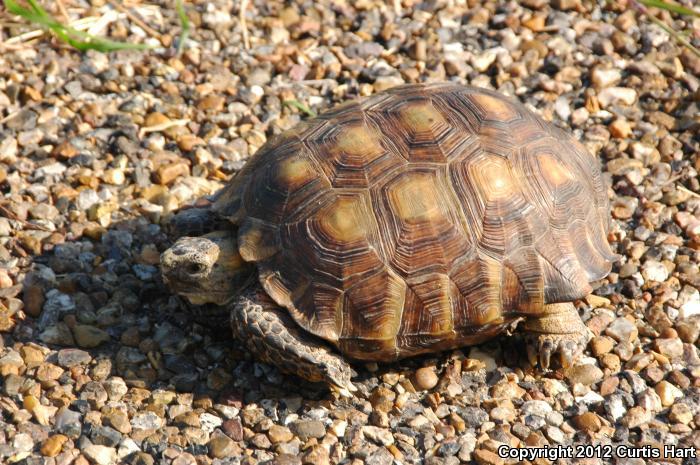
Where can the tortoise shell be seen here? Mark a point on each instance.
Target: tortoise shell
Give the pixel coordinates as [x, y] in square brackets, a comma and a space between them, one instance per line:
[422, 218]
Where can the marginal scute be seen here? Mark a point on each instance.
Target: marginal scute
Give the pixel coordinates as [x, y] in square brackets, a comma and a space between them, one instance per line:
[435, 315]
[372, 313]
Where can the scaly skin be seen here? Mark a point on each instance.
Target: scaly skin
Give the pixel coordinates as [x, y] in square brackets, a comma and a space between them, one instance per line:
[559, 330]
[270, 333]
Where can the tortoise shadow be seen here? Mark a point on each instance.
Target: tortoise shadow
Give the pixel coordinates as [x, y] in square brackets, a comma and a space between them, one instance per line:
[101, 292]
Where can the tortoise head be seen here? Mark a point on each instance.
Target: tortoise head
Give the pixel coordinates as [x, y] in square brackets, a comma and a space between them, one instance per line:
[206, 269]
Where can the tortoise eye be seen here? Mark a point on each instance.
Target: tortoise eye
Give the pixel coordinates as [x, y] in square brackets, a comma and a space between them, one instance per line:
[195, 268]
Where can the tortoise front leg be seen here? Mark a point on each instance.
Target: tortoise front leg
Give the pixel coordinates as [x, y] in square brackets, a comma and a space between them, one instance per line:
[274, 337]
[559, 330]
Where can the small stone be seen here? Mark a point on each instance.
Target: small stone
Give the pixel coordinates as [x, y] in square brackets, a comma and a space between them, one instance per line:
[622, 330]
[387, 82]
[146, 421]
[114, 176]
[635, 417]
[620, 129]
[668, 393]
[155, 119]
[100, 455]
[316, 455]
[221, 446]
[425, 378]
[278, 433]
[601, 345]
[536, 407]
[117, 419]
[382, 399]
[680, 413]
[653, 270]
[68, 358]
[671, 348]
[616, 95]
[32, 356]
[87, 336]
[168, 173]
[53, 445]
[378, 435]
[306, 429]
[584, 374]
[141, 458]
[483, 61]
[588, 421]
[615, 407]
[639, 361]
[116, 388]
[602, 78]
[212, 102]
[535, 23]
[233, 429]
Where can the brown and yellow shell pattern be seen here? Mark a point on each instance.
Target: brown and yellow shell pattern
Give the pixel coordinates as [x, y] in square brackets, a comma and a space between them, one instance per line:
[423, 218]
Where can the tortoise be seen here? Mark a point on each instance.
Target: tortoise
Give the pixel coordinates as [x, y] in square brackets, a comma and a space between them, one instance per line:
[420, 219]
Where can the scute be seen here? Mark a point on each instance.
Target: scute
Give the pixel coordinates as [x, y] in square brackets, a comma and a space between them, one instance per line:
[423, 218]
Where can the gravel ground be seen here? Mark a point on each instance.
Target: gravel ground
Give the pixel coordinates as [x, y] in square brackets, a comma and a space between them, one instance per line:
[101, 364]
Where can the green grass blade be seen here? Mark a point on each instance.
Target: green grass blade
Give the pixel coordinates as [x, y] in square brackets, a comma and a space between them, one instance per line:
[80, 40]
[670, 6]
[184, 26]
[300, 106]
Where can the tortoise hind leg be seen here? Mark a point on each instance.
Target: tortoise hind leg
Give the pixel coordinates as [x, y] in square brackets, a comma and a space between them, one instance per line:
[274, 337]
[559, 330]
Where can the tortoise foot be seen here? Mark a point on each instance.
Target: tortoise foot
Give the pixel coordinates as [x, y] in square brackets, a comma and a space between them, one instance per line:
[275, 338]
[559, 332]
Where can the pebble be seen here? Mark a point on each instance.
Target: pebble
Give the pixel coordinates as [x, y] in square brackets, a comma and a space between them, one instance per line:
[668, 393]
[221, 446]
[536, 407]
[53, 445]
[602, 78]
[616, 95]
[636, 417]
[622, 330]
[146, 421]
[588, 421]
[653, 270]
[425, 378]
[378, 435]
[100, 455]
[87, 336]
[584, 374]
[306, 429]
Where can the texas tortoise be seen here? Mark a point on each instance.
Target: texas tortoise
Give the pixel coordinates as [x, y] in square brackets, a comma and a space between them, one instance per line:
[420, 219]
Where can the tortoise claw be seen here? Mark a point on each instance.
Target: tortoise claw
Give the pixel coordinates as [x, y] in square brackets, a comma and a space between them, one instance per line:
[548, 348]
